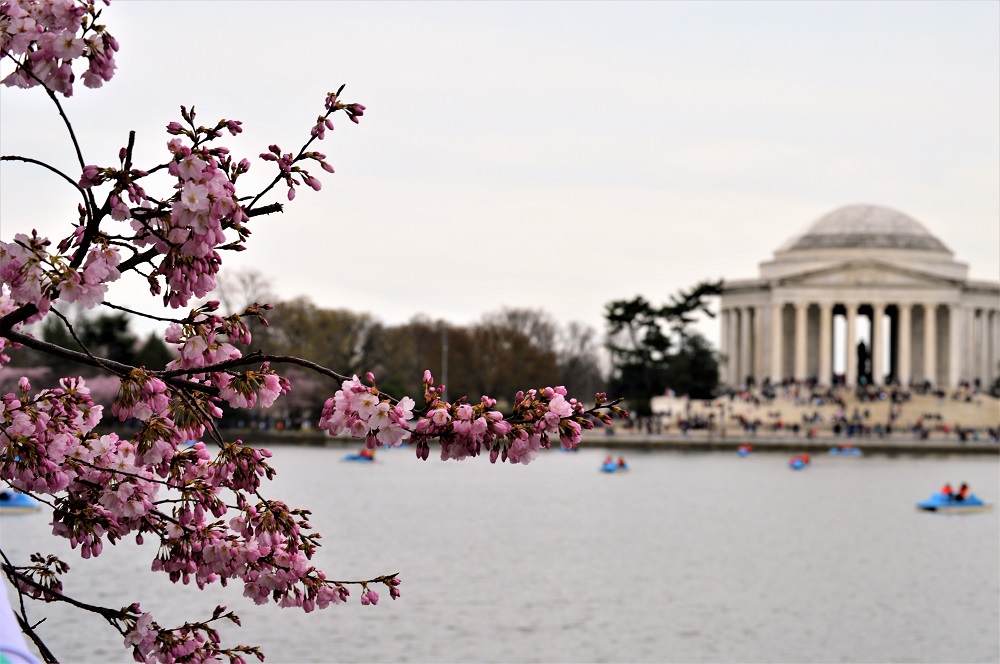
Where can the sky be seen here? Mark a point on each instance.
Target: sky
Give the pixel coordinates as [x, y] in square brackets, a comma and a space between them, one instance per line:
[552, 156]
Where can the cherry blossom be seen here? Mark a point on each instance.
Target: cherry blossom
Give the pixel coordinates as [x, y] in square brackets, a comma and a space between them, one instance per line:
[204, 512]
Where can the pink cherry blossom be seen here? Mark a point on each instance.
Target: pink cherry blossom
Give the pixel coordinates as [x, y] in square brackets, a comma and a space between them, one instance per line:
[205, 512]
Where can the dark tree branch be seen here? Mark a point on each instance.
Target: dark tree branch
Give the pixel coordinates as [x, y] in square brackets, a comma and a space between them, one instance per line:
[99, 361]
[254, 358]
[69, 126]
[151, 253]
[29, 631]
[140, 314]
[12, 573]
[138, 259]
[267, 209]
[22, 620]
[29, 160]
[117, 368]
[16, 317]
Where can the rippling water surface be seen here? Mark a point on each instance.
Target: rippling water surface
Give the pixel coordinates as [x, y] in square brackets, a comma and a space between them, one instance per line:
[685, 558]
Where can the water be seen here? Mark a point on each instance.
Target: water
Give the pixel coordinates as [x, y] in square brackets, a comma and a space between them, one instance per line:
[685, 558]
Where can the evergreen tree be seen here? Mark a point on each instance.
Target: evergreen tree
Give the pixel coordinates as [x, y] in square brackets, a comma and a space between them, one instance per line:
[107, 335]
[154, 353]
[652, 348]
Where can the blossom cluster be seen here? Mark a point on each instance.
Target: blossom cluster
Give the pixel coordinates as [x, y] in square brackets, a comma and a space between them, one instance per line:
[205, 511]
[367, 414]
[208, 340]
[190, 642]
[42, 38]
[34, 275]
[463, 429]
[7, 306]
[105, 488]
[188, 228]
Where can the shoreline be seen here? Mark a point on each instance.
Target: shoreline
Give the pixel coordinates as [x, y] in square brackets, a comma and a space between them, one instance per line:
[789, 444]
[694, 442]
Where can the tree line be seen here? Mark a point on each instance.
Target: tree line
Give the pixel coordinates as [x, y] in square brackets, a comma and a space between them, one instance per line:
[498, 355]
[645, 351]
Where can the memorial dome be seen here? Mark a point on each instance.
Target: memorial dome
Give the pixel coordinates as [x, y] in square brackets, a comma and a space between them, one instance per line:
[925, 321]
[865, 227]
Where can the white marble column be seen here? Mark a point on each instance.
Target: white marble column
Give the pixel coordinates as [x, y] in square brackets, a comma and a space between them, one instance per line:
[993, 327]
[800, 340]
[851, 370]
[930, 343]
[968, 342]
[954, 344]
[995, 331]
[969, 366]
[981, 352]
[745, 354]
[734, 347]
[759, 372]
[904, 364]
[878, 344]
[777, 352]
[724, 346]
[990, 341]
[825, 343]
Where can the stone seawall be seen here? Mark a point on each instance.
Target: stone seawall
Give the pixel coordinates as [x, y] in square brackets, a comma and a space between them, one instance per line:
[791, 444]
[695, 442]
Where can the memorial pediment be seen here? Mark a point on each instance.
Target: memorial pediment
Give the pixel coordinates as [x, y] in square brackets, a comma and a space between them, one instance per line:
[866, 273]
[926, 321]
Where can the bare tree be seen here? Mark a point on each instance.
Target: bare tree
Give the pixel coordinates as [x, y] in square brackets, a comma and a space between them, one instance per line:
[535, 324]
[238, 288]
[581, 360]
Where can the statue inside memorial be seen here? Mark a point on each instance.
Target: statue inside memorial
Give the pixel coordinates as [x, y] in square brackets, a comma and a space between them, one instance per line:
[864, 365]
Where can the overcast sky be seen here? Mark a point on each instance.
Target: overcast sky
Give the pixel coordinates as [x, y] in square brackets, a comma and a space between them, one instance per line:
[552, 156]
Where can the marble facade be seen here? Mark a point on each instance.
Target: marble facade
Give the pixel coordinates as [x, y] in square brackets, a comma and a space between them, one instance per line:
[927, 322]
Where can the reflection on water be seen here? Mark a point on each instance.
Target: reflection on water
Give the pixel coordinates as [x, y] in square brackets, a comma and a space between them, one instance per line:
[685, 558]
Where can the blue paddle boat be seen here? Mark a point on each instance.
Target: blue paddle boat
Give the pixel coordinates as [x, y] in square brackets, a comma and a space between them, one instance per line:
[847, 450]
[942, 502]
[611, 466]
[360, 458]
[798, 462]
[744, 450]
[14, 502]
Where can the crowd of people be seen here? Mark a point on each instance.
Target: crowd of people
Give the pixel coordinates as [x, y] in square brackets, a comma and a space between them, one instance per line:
[797, 409]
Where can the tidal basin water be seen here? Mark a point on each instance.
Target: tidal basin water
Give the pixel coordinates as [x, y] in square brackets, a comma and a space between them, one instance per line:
[685, 558]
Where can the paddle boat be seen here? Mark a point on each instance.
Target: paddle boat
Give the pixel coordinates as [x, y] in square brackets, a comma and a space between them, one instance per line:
[612, 466]
[744, 450]
[943, 502]
[14, 502]
[850, 450]
[799, 461]
[364, 456]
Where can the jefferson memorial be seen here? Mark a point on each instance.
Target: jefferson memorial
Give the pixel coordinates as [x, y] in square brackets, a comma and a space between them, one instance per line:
[866, 295]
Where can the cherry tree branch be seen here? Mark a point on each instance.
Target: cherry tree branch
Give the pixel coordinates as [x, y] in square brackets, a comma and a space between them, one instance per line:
[254, 358]
[22, 621]
[141, 314]
[150, 254]
[69, 127]
[100, 362]
[29, 160]
[89, 197]
[117, 368]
